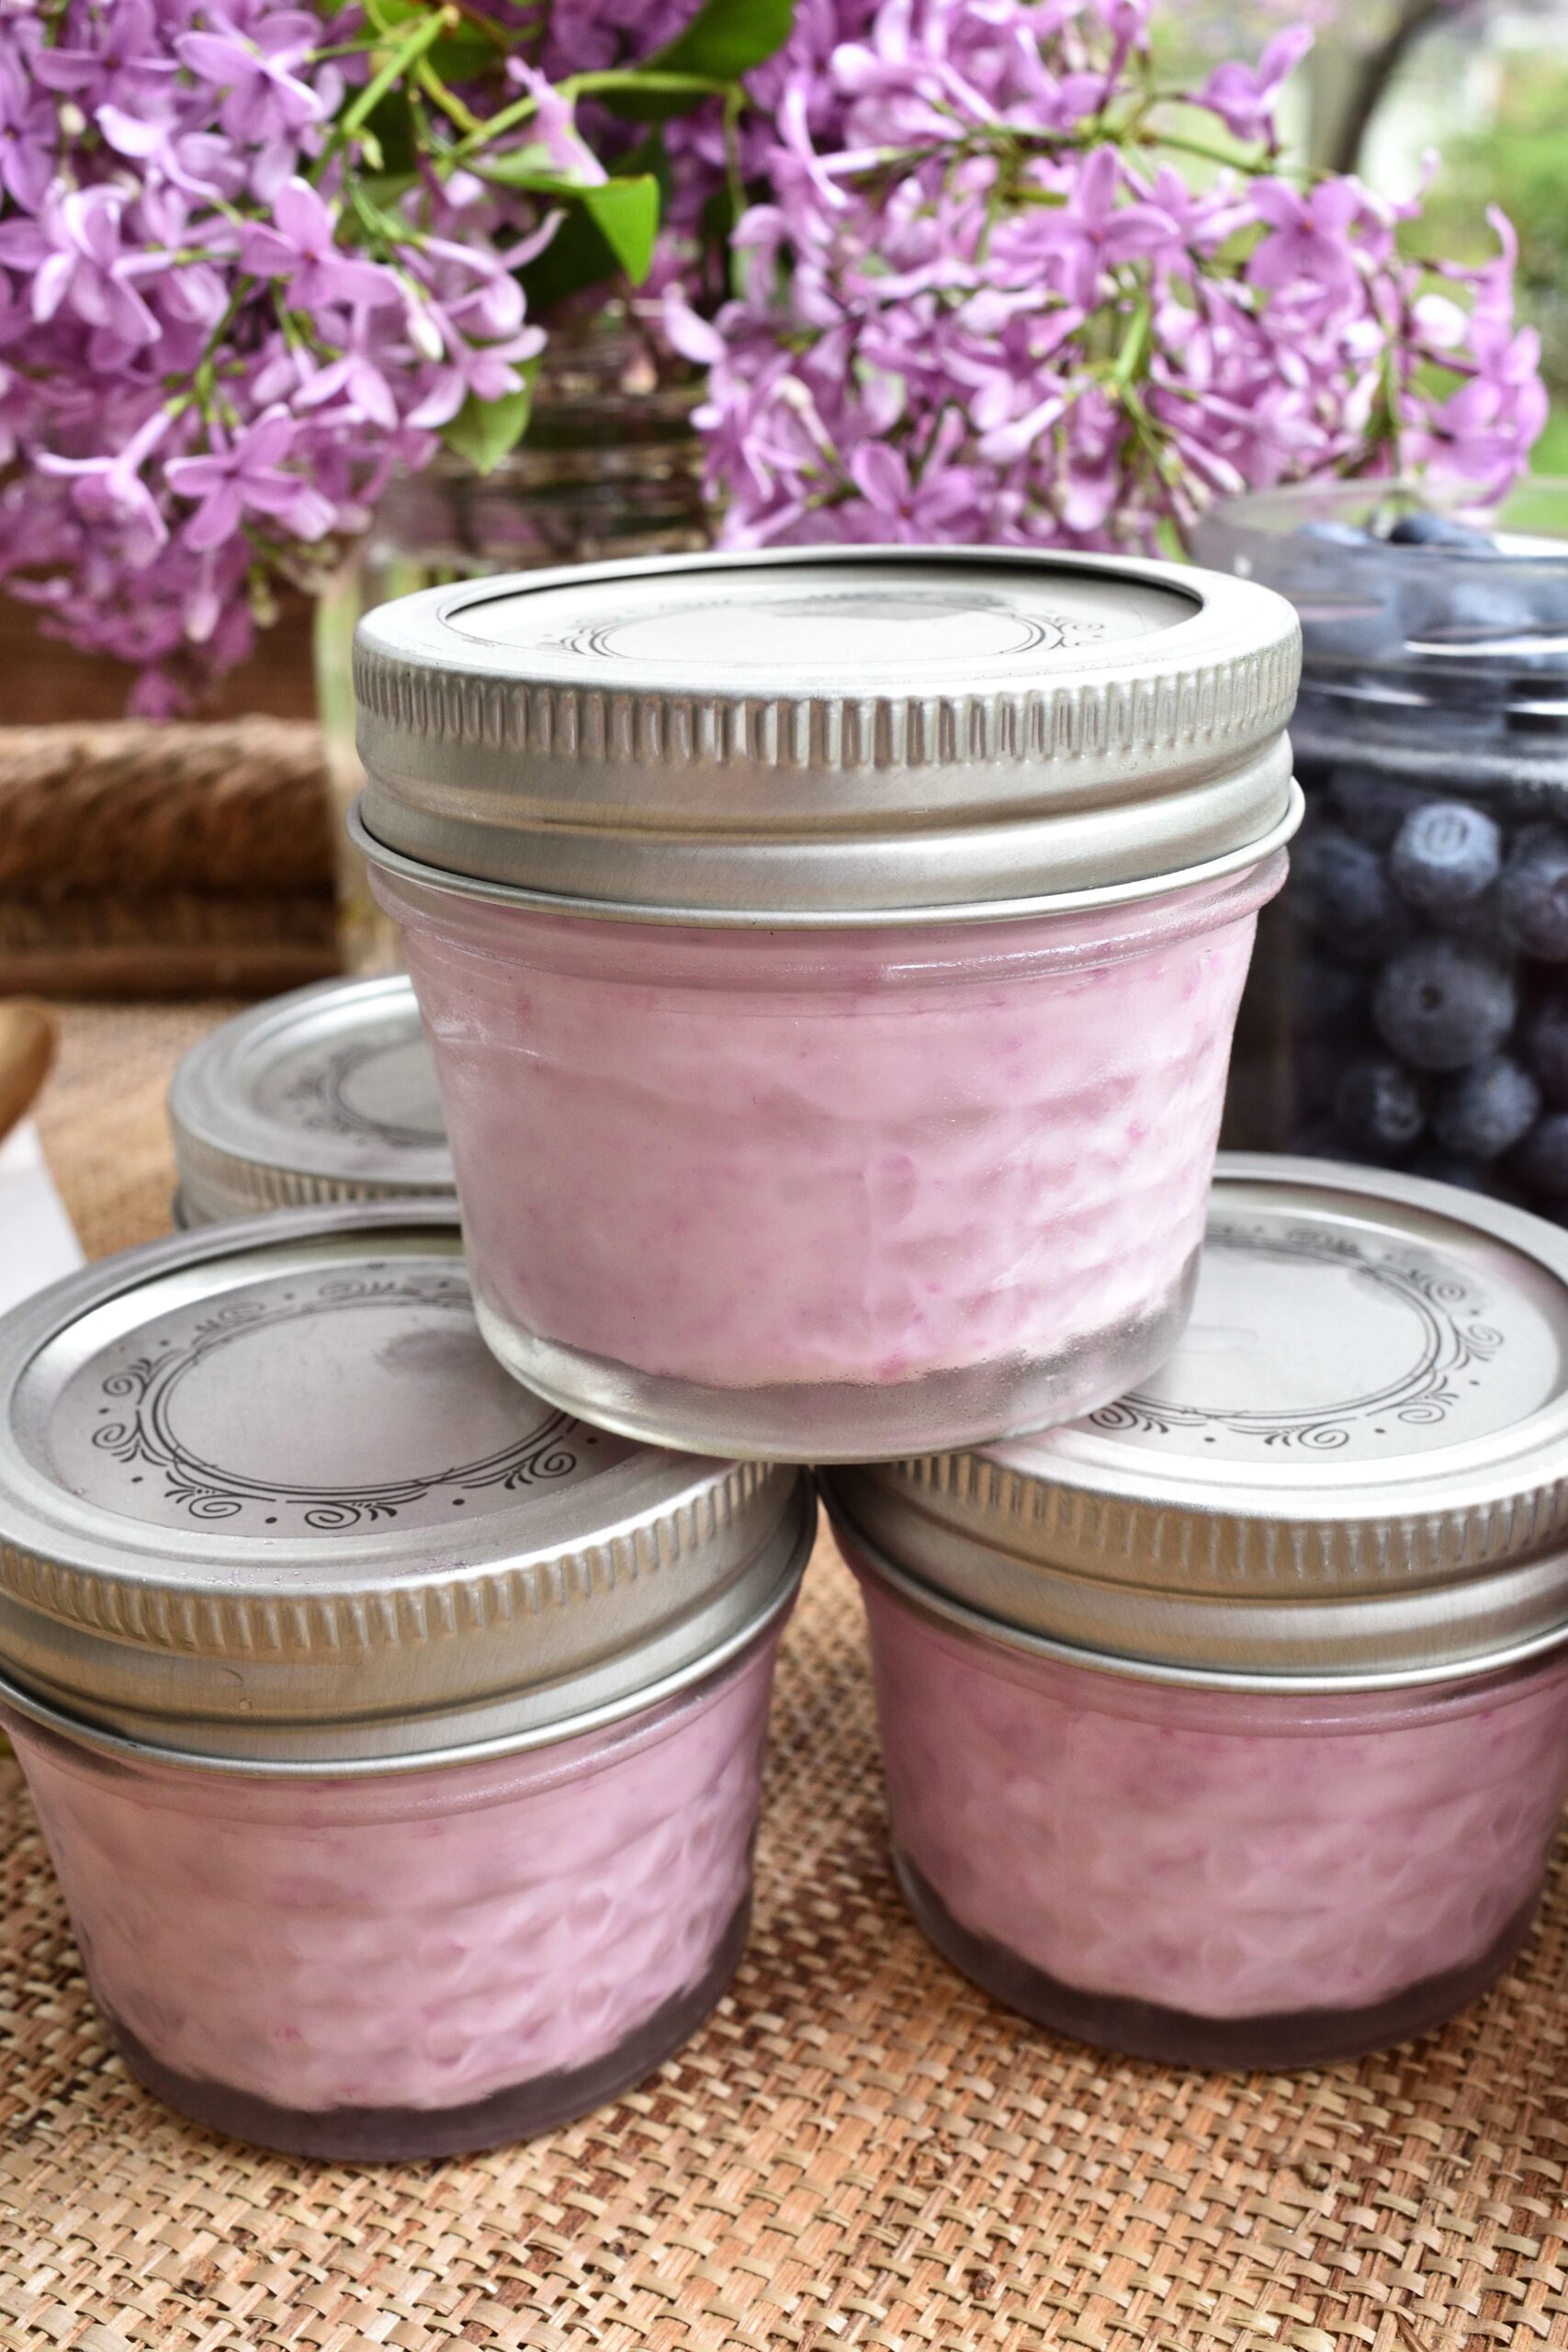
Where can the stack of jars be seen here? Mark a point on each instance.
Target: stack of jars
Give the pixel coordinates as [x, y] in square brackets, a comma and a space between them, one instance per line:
[829, 963]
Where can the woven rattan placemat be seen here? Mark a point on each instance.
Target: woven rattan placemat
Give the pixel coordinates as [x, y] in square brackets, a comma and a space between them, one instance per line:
[858, 2149]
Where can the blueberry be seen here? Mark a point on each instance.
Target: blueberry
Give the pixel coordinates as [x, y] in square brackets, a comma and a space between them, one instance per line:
[1424, 530]
[1487, 1110]
[1541, 1162]
[1379, 1106]
[1445, 857]
[1532, 896]
[1371, 806]
[1546, 1047]
[1343, 890]
[1332, 533]
[1441, 1006]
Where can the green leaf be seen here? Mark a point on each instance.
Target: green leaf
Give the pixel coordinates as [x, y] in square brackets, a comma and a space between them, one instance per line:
[576, 257]
[727, 38]
[724, 40]
[486, 431]
[649, 155]
[581, 254]
[625, 213]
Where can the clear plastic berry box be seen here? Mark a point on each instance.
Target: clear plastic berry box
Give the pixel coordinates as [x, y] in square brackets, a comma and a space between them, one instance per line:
[1408, 1003]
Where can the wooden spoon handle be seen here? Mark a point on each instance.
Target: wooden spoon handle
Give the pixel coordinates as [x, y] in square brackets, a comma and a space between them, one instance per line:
[28, 1035]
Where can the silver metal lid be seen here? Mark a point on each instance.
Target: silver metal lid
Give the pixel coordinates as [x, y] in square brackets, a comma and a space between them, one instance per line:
[816, 734]
[326, 1094]
[266, 1497]
[1353, 1468]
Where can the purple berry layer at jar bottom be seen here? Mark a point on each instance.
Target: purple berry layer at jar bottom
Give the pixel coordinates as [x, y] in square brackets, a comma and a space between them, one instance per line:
[395, 2134]
[418, 1961]
[1177, 2037]
[1219, 1875]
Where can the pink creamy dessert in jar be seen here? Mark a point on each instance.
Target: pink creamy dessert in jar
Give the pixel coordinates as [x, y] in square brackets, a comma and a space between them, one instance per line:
[397, 1738]
[831, 960]
[1229, 1725]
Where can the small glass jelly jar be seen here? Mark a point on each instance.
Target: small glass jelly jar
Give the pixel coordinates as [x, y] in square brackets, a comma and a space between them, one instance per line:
[396, 1737]
[1229, 1726]
[1208, 1876]
[414, 1963]
[832, 1193]
[829, 960]
[324, 1094]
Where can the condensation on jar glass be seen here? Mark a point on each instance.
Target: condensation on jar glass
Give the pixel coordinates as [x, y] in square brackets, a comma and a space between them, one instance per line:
[325, 1094]
[1229, 1725]
[396, 1737]
[1408, 1003]
[831, 960]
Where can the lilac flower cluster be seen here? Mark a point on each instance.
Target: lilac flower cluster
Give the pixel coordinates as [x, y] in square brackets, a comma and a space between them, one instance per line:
[983, 299]
[1007, 290]
[224, 318]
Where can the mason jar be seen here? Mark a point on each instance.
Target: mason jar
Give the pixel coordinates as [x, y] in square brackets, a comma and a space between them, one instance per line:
[397, 1738]
[829, 961]
[1229, 1725]
[324, 1094]
[1408, 1006]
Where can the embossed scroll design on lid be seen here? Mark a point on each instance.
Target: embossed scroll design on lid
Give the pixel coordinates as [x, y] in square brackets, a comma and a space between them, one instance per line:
[143, 1433]
[1451, 1338]
[319, 1100]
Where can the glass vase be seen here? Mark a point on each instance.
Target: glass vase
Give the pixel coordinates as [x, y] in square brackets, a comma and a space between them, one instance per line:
[611, 466]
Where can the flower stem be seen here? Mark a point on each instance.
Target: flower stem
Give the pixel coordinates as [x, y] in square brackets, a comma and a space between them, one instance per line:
[584, 86]
[408, 52]
[1181, 146]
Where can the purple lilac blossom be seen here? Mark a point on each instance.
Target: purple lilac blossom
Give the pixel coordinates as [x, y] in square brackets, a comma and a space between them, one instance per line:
[207, 371]
[982, 301]
[1245, 98]
[978, 299]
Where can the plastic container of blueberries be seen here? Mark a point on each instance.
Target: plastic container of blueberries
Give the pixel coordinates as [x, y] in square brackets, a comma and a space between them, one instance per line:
[1408, 1001]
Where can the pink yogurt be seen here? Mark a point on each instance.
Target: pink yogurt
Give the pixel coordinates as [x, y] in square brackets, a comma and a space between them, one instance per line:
[415, 1963]
[838, 1193]
[1214, 1876]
